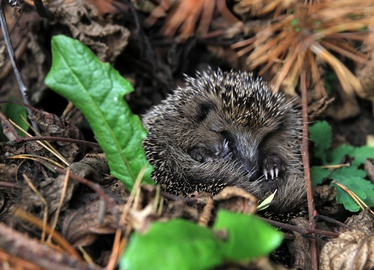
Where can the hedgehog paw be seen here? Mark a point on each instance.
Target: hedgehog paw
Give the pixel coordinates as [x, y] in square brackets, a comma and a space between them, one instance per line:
[272, 165]
[223, 151]
[201, 154]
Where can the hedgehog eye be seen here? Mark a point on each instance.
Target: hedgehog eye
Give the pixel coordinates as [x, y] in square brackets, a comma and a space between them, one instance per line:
[203, 111]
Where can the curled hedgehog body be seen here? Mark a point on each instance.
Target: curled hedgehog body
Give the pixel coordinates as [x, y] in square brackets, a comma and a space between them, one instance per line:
[227, 129]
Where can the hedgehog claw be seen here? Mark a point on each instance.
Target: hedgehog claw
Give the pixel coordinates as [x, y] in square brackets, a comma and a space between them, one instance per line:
[266, 174]
[272, 173]
[223, 151]
[272, 166]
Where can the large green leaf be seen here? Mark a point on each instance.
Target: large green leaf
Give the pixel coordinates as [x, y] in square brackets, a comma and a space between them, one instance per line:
[248, 237]
[177, 244]
[181, 244]
[98, 90]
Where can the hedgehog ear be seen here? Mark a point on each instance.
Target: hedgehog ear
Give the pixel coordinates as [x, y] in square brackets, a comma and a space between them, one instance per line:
[203, 110]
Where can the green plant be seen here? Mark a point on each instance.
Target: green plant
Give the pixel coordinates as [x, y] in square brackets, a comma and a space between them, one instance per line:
[181, 244]
[17, 114]
[352, 177]
[98, 90]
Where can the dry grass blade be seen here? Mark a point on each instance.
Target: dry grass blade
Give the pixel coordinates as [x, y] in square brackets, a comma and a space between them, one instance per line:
[45, 144]
[40, 196]
[58, 210]
[56, 236]
[39, 159]
[357, 199]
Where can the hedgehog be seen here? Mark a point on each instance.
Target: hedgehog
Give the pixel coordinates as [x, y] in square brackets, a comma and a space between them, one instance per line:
[227, 129]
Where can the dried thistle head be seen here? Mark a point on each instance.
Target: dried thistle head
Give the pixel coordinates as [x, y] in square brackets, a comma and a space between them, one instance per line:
[262, 7]
[304, 34]
[188, 16]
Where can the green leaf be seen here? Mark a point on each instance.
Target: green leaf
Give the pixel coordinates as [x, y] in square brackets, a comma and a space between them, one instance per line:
[354, 179]
[177, 244]
[321, 134]
[339, 152]
[98, 90]
[362, 153]
[351, 171]
[15, 112]
[248, 237]
[318, 174]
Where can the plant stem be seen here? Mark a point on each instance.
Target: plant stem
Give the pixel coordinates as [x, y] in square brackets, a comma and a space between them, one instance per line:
[305, 157]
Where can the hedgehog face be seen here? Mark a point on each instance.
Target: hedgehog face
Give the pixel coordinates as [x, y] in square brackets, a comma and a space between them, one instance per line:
[218, 138]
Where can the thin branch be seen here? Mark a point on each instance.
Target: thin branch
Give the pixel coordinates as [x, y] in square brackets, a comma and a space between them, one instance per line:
[42, 11]
[9, 46]
[305, 157]
[298, 229]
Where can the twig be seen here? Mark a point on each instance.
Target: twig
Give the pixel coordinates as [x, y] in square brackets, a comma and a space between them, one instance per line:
[4, 185]
[332, 221]
[42, 11]
[302, 231]
[305, 157]
[12, 58]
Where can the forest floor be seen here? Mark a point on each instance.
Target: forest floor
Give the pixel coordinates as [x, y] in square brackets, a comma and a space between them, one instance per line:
[52, 217]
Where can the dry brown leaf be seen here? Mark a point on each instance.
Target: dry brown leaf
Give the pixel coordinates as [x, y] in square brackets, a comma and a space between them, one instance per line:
[353, 249]
[106, 39]
[82, 227]
[236, 199]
